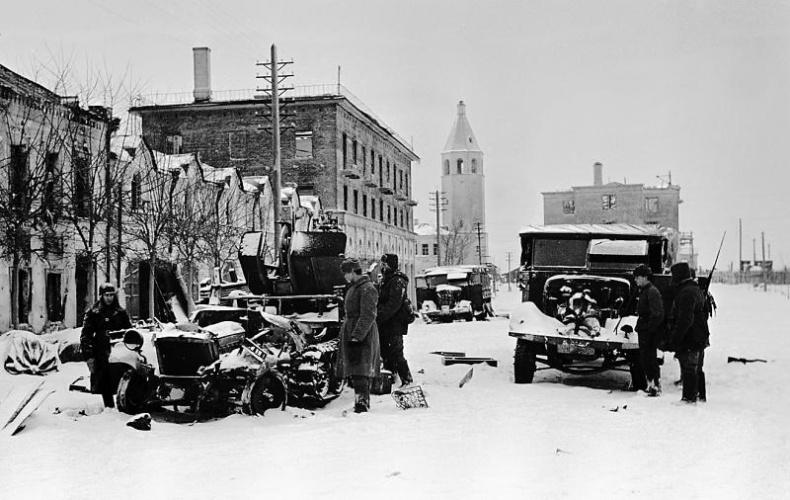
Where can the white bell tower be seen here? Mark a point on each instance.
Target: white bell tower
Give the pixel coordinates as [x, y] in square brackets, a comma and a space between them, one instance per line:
[463, 183]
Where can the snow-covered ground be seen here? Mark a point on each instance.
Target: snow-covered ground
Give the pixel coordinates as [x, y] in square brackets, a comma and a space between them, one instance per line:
[556, 438]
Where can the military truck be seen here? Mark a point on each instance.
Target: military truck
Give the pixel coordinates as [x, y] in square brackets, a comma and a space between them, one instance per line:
[447, 293]
[578, 310]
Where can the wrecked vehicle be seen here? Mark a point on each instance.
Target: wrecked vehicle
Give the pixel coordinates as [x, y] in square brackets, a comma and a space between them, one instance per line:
[215, 370]
[576, 282]
[448, 293]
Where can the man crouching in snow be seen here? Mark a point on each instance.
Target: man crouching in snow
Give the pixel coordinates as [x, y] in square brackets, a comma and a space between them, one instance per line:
[105, 316]
[690, 332]
[359, 337]
[649, 326]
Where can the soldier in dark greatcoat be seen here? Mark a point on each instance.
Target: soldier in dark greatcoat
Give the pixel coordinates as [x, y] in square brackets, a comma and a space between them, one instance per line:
[393, 318]
[649, 326]
[359, 337]
[690, 335]
[105, 316]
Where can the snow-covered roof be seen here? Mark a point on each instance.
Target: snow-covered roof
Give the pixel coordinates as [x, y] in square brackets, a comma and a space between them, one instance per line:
[461, 137]
[425, 229]
[254, 182]
[594, 229]
[443, 287]
[217, 175]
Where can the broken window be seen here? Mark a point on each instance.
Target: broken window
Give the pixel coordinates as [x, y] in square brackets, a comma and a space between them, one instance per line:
[304, 145]
[173, 144]
[608, 201]
[82, 192]
[17, 176]
[136, 191]
[651, 205]
[569, 206]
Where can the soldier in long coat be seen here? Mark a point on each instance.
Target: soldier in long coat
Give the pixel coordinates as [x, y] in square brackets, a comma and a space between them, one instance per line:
[359, 336]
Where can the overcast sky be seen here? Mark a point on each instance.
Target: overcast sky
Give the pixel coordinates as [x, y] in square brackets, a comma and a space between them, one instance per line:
[698, 88]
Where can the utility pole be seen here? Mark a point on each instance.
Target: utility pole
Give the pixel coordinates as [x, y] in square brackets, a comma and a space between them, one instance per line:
[439, 201]
[275, 91]
[507, 271]
[478, 225]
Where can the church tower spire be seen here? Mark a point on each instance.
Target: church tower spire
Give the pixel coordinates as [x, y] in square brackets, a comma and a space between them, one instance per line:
[463, 183]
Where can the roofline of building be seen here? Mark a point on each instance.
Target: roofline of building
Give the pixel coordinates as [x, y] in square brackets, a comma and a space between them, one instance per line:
[251, 102]
[573, 189]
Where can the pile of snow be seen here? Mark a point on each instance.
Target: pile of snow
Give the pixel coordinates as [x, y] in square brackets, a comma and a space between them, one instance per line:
[562, 436]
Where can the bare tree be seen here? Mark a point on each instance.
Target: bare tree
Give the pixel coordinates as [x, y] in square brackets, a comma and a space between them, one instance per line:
[455, 243]
[148, 211]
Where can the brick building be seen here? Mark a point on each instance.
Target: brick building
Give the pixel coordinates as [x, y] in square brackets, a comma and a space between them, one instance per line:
[52, 162]
[335, 146]
[613, 202]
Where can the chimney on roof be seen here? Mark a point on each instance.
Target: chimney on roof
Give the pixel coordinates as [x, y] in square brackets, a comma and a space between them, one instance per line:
[201, 57]
[598, 174]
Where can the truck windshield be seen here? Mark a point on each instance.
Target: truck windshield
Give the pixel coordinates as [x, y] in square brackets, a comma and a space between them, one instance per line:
[559, 253]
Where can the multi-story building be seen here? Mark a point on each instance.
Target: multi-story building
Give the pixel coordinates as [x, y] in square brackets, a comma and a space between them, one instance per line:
[53, 156]
[613, 202]
[334, 147]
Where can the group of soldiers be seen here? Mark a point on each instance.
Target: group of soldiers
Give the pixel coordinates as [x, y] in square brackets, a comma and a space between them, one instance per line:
[682, 330]
[376, 319]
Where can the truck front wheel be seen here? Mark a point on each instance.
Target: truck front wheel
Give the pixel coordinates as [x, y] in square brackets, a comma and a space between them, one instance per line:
[524, 363]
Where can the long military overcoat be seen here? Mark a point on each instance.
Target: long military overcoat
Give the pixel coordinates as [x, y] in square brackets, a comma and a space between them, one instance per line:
[359, 337]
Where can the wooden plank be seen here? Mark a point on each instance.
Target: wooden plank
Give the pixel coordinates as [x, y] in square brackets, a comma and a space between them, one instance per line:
[468, 360]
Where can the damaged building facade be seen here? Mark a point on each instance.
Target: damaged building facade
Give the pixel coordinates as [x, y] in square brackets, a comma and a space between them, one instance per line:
[332, 147]
[53, 156]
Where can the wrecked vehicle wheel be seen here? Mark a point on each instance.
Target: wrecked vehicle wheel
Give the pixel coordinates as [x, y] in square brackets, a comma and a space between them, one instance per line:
[132, 393]
[523, 363]
[264, 393]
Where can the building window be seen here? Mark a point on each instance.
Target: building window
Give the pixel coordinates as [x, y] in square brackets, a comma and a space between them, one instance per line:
[51, 193]
[137, 190]
[82, 192]
[569, 207]
[401, 219]
[356, 201]
[395, 216]
[400, 179]
[474, 166]
[372, 208]
[406, 181]
[18, 176]
[389, 214]
[651, 205]
[388, 171]
[425, 248]
[173, 144]
[381, 210]
[364, 160]
[345, 197]
[304, 145]
[365, 205]
[435, 249]
[354, 151]
[459, 166]
[372, 162]
[608, 201]
[237, 145]
[446, 167]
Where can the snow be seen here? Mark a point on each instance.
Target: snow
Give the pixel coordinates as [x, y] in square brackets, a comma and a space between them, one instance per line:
[556, 438]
